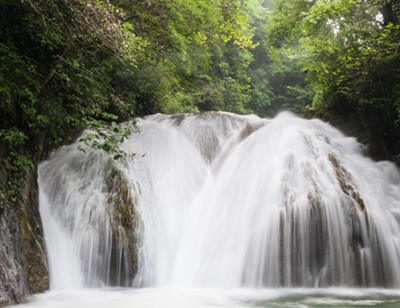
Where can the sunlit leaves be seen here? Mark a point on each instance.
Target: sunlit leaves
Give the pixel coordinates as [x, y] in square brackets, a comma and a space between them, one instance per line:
[188, 42]
[106, 136]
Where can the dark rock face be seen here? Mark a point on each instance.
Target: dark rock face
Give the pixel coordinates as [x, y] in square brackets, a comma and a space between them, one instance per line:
[13, 277]
[31, 236]
[23, 267]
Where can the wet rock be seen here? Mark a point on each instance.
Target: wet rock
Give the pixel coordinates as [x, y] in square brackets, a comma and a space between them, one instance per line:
[13, 277]
[23, 267]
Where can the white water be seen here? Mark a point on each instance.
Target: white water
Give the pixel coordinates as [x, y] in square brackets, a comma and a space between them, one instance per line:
[226, 202]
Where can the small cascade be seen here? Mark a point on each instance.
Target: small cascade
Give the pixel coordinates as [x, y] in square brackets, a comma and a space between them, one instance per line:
[88, 212]
[223, 201]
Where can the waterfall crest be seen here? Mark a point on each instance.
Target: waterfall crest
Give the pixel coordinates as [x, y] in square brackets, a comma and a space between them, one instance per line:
[226, 201]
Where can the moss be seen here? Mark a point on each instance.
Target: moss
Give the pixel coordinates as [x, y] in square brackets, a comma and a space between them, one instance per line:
[125, 220]
[31, 235]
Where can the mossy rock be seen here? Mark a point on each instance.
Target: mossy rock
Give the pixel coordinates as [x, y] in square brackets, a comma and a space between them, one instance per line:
[125, 223]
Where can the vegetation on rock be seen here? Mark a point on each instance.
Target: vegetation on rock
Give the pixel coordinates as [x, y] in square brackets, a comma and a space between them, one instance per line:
[125, 223]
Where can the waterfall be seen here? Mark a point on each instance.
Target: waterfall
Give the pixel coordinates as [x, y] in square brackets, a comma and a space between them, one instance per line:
[223, 201]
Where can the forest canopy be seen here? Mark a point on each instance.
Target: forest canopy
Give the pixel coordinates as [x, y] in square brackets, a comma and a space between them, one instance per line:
[69, 64]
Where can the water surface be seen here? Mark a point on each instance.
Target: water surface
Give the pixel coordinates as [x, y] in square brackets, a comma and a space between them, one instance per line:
[207, 298]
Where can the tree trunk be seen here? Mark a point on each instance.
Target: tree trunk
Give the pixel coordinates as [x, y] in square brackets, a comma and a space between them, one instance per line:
[53, 70]
[388, 14]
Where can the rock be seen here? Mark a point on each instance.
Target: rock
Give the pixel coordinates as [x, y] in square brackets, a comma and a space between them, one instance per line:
[13, 277]
[23, 267]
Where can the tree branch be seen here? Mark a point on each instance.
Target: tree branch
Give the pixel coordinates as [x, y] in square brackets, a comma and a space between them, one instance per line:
[53, 70]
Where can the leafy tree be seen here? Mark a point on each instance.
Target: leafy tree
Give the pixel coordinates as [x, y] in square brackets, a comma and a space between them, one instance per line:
[277, 82]
[198, 53]
[352, 59]
[57, 59]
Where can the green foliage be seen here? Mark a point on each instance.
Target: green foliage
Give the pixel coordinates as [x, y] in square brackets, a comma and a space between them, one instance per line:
[105, 136]
[351, 58]
[56, 64]
[276, 80]
[198, 55]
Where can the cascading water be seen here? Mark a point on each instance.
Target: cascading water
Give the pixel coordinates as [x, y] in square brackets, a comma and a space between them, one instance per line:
[223, 201]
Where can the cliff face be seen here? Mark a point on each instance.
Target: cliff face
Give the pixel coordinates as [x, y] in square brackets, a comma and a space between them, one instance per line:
[23, 267]
[12, 274]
